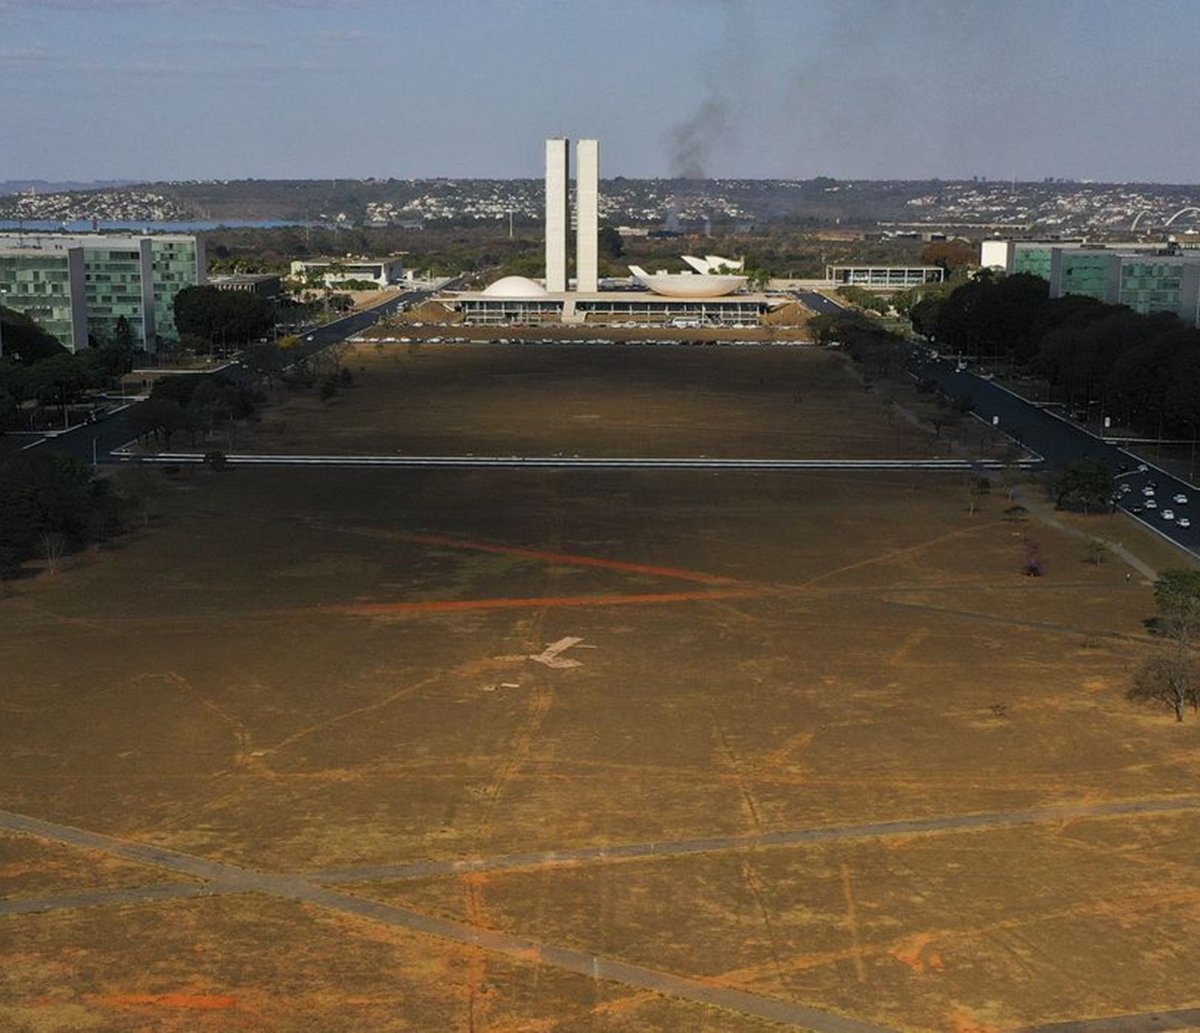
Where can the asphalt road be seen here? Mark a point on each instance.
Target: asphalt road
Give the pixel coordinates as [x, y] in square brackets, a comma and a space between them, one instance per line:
[1055, 438]
[818, 302]
[93, 442]
[1058, 440]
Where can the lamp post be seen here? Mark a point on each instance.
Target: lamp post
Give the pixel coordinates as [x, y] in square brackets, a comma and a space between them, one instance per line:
[3, 295]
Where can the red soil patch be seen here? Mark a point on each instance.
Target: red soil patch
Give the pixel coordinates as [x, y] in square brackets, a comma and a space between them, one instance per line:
[198, 1002]
[450, 605]
[569, 559]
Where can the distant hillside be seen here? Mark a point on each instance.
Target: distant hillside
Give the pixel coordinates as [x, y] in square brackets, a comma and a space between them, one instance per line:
[44, 186]
[1053, 206]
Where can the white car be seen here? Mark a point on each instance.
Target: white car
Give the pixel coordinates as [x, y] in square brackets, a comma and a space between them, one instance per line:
[1181, 499]
[1151, 504]
[1142, 468]
[1148, 492]
[1125, 488]
[1168, 514]
[1183, 522]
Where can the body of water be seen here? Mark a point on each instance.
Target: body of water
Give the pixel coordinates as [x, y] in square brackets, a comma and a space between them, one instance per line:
[100, 225]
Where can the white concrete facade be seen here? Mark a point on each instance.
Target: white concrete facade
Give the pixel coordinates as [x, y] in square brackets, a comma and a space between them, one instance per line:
[557, 216]
[587, 215]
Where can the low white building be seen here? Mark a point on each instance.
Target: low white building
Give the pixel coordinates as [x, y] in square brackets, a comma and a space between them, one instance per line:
[336, 272]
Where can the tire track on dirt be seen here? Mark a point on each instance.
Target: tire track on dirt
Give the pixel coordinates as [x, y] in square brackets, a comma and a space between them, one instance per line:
[1017, 622]
[230, 879]
[981, 821]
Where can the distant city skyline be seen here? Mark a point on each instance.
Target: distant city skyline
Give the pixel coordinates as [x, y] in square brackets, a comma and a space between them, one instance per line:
[789, 89]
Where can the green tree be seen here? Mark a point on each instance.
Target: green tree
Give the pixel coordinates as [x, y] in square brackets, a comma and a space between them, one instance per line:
[10, 411]
[42, 492]
[865, 299]
[1084, 483]
[1177, 596]
[610, 243]
[222, 318]
[1170, 677]
[59, 380]
[122, 338]
[950, 255]
[24, 340]
[267, 361]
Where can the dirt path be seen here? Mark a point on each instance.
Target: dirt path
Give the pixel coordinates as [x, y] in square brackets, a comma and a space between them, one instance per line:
[315, 888]
[1042, 512]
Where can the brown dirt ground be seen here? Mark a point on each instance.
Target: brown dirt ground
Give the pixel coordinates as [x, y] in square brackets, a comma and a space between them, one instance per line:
[271, 674]
[601, 401]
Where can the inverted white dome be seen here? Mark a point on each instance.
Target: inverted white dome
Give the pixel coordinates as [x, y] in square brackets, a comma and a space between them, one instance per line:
[687, 285]
[514, 287]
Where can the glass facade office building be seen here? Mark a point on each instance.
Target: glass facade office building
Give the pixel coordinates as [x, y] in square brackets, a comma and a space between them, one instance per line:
[178, 262]
[1146, 278]
[48, 287]
[120, 284]
[130, 277]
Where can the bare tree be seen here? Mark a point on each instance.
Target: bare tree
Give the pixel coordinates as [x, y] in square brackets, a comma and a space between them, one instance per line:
[1168, 679]
[977, 488]
[53, 547]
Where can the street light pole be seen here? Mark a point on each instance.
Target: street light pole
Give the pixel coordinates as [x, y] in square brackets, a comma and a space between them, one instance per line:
[3, 295]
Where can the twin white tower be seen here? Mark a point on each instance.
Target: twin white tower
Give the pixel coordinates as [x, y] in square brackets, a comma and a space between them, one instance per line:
[558, 216]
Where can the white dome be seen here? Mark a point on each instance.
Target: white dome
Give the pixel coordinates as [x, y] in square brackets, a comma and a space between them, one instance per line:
[514, 287]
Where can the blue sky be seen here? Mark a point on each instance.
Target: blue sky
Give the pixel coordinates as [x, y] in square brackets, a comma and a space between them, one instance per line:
[1085, 89]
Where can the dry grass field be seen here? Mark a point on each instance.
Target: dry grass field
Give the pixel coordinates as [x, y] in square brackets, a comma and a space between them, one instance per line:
[792, 402]
[577, 750]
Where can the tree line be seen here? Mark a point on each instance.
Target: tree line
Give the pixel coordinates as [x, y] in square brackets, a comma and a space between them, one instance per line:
[1144, 370]
[36, 368]
[50, 505]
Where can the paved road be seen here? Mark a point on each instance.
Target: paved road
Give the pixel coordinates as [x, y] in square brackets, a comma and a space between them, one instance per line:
[818, 303]
[322, 336]
[95, 441]
[1060, 440]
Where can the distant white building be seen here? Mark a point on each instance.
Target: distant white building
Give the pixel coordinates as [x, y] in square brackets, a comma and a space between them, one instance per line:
[336, 272]
[884, 277]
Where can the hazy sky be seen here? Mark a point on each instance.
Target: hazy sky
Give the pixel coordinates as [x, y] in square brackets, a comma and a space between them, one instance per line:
[200, 89]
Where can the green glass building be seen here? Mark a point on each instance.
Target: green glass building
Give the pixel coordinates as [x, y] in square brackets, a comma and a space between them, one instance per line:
[178, 262]
[134, 278]
[120, 285]
[49, 287]
[1147, 278]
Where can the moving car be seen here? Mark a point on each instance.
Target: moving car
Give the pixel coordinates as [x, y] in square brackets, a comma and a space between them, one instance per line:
[1168, 514]
[1181, 499]
[1183, 522]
